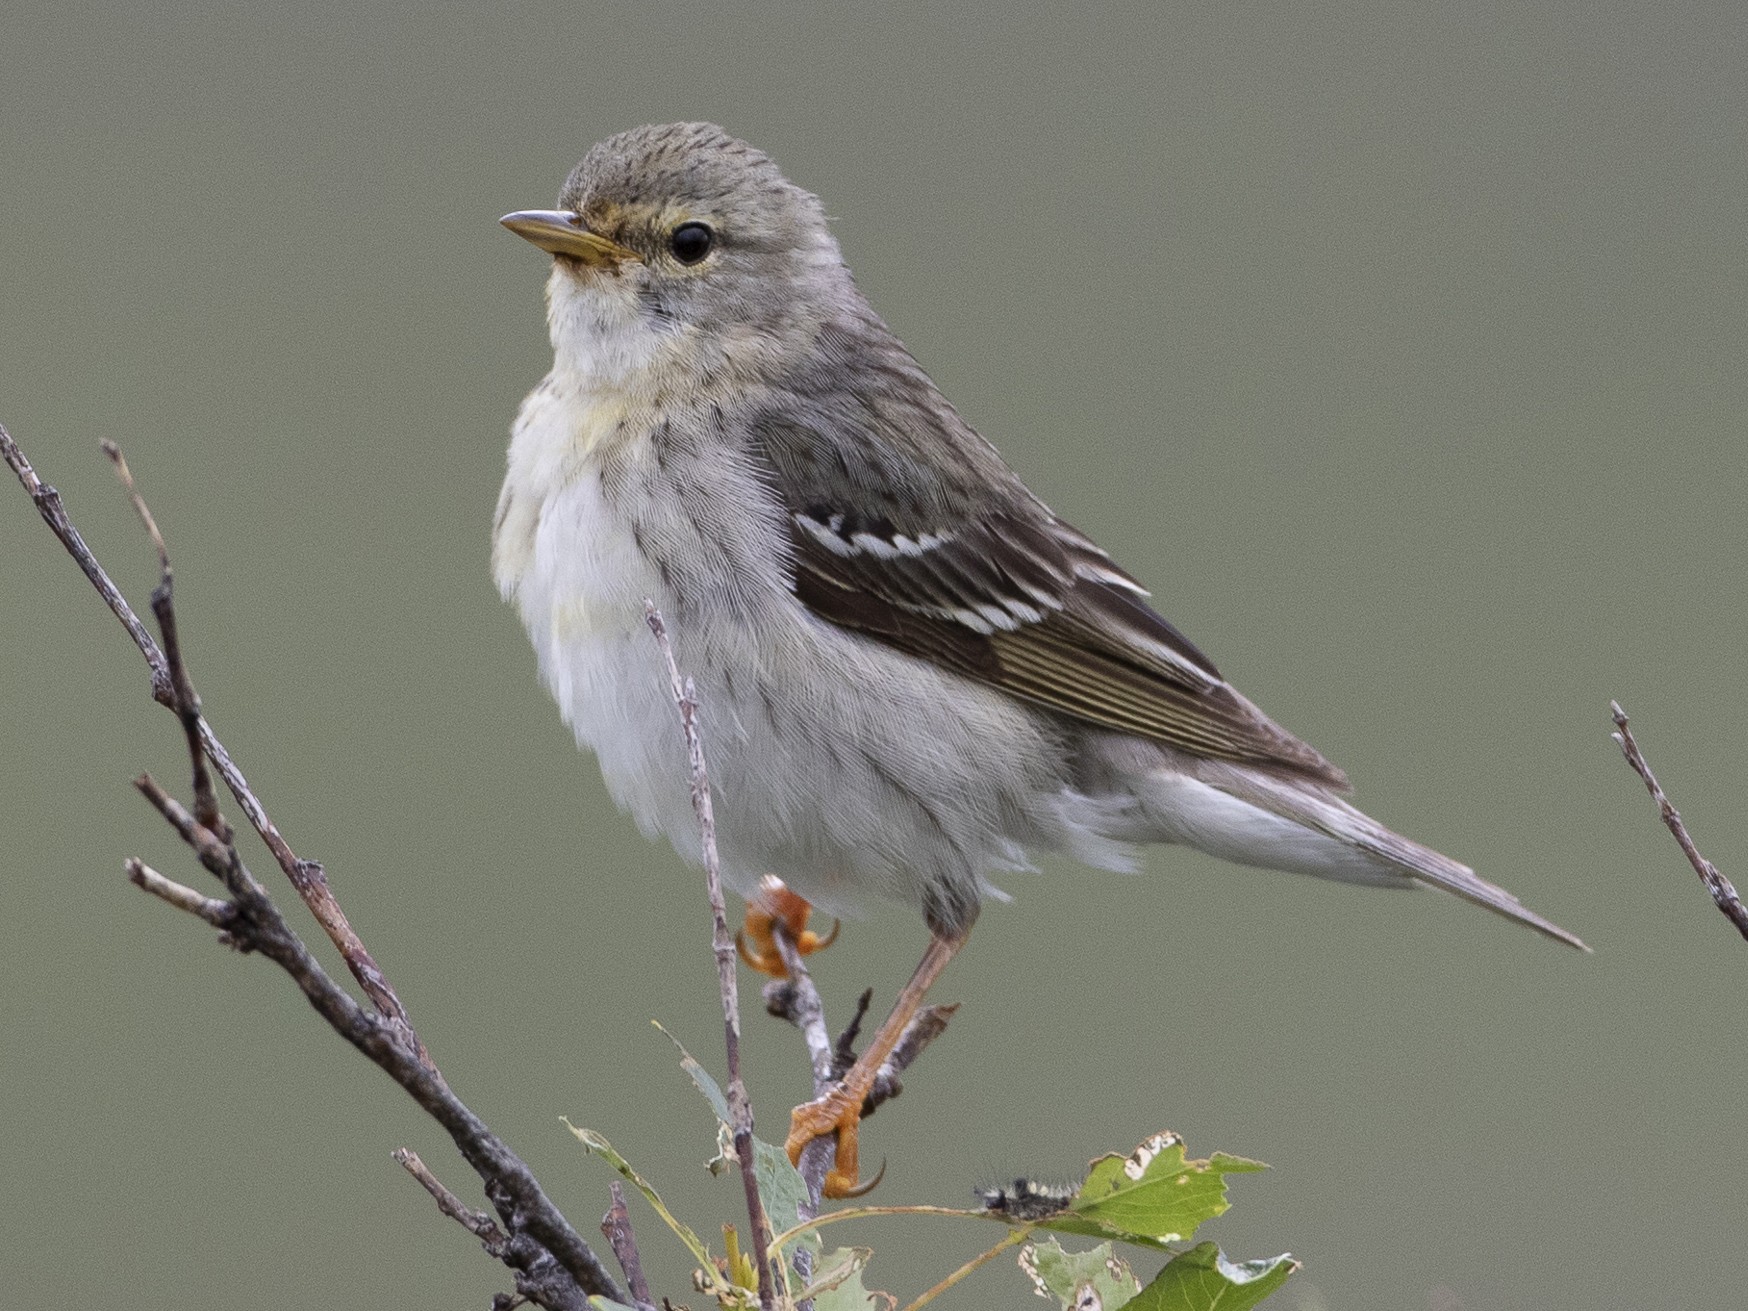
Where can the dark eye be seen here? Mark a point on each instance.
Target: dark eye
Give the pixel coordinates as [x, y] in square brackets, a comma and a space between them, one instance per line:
[691, 242]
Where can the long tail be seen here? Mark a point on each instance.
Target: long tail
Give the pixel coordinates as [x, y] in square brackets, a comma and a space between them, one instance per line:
[1327, 814]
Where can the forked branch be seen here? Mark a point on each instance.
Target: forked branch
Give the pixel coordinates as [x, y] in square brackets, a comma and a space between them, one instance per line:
[305, 875]
[553, 1266]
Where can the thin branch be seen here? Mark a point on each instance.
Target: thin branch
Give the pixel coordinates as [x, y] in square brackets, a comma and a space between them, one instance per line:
[544, 1282]
[844, 1048]
[554, 1266]
[819, 1222]
[739, 1105]
[216, 913]
[982, 1259]
[797, 1000]
[1723, 892]
[54, 514]
[925, 1026]
[184, 701]
[305, 875]
[616, 1227]
[477, 1223]
[217, 856]
[116, 458]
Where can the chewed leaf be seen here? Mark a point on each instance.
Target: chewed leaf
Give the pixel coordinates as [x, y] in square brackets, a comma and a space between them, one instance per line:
[1153, 1196]
[1080, 1281]
[605, 1150]
[837, 1281]
[1202, 1279]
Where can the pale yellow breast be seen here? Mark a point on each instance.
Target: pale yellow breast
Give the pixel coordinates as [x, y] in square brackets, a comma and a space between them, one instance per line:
[558, 434]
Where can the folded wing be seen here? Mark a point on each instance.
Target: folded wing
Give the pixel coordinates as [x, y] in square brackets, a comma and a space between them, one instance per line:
[1022, 601]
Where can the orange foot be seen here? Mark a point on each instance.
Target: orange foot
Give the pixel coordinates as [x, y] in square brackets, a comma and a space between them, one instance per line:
[776, 904]
[839, 1112]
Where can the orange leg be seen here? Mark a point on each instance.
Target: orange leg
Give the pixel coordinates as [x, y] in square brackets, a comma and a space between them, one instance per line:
[840, 1110]
[776, 904]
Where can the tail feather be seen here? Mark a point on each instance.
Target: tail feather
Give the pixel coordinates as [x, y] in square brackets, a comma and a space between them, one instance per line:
[1330, 815]
[1441, 871]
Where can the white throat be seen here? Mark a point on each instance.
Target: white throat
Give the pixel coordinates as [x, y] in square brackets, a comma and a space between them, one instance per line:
[603, 340]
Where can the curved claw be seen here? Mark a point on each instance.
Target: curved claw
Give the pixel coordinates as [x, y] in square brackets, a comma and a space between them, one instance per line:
[839, 1113]
[771, 964]
[835, 1187]
[776, 904]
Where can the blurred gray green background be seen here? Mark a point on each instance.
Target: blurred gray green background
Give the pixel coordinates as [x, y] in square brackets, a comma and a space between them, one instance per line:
[1397, 346]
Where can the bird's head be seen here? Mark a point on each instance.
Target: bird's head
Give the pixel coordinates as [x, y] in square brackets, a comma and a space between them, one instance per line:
[681, 249]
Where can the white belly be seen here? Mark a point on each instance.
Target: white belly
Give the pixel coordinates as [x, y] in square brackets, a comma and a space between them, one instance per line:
[837, 763]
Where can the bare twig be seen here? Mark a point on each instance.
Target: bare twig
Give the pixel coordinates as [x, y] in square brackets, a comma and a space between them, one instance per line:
[305, 875]
[739, 1105]
[477, 1223]
[54, 514]
[844, 1048]
[616, 1227]
[1723, 892]
[797, 1000]
[116, 458]
[977, 1262]
[180, 895]
[219, 857]
[544, 1282]
[553, 1265]
[924, 1027]
[184, 700]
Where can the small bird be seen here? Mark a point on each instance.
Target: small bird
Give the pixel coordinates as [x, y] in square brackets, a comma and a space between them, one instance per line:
[912, 673]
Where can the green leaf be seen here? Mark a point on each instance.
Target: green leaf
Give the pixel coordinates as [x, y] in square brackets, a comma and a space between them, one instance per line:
[837, 1281]
[605, 1150]
[781, 1187]
[1153, 1196]
[1202, 1279]
[708, 1086]
[780, 1183]
[725, 1157]
[599, 1303]
[1068, 1276]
